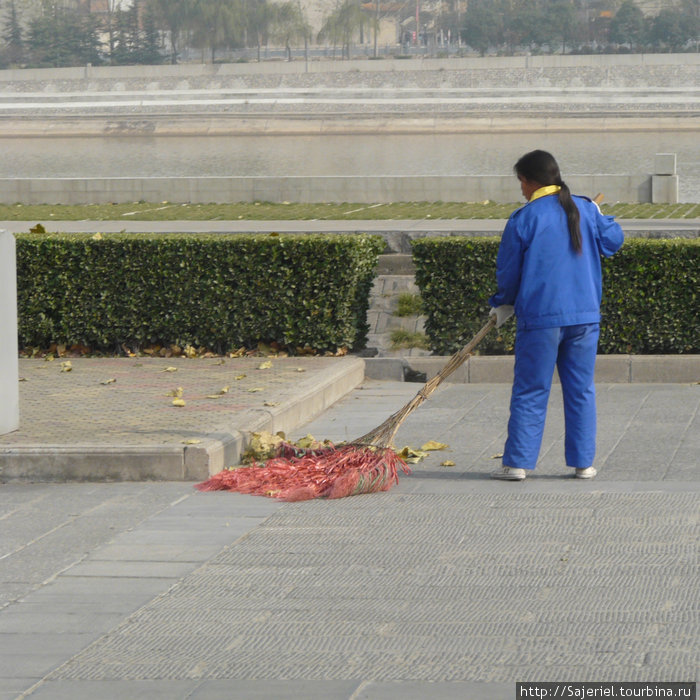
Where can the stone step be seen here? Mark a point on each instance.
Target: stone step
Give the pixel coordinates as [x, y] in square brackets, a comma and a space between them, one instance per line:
[383, 304]
[395, 264]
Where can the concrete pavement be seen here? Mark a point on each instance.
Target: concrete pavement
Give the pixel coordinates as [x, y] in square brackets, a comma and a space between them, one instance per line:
[450, 585]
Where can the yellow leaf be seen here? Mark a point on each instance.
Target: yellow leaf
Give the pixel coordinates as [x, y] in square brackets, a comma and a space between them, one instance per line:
[66, 366]
[178, 402]
[408, 454]
[97, 237]
[432, 445]
[271, 403]
[109, 381]
[169, 369]
[254, 389]
[498, 455]
[190, 351]
[262, 446]
[49, 358]
[215, 396]
[265, 365]
[23, 379]
[300, 369]
[177, 393]
[308, 442]
[239, 377]
[237, 353]
[447, 463]
[191, 441]
[224, 389]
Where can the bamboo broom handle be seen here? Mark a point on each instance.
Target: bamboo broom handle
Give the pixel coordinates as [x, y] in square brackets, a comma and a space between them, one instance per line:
[385, 433]
[456, 360]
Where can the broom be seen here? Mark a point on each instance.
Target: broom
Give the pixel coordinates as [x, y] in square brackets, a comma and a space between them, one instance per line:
[366, 465]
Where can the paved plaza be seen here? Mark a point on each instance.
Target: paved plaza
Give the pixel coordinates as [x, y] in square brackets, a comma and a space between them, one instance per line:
[450, 585]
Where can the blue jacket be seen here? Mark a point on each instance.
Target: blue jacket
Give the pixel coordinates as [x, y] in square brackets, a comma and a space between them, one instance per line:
[539, 272]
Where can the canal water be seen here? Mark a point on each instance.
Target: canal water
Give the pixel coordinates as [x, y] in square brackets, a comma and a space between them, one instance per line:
[380, 154]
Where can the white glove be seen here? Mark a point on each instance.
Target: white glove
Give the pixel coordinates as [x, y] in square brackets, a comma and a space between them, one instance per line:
[502, 313]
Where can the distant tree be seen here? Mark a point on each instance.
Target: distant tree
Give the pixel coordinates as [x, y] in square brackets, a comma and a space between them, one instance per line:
[289, 25]
[217, 24]
[628, 25]
[110, 26]
[257, 19]
[483, 26]
[125, 44]
[526, 26]
[13, 50]
[560, 24]
[173, 16]
[343, 25]
[673, 29]
[150, 47]
[63, 37]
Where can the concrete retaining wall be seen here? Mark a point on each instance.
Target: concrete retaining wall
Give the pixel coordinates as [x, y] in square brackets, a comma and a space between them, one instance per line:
[617, 188]
[644, 64]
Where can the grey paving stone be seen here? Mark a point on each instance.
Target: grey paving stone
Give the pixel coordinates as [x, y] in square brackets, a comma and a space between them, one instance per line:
[274, 689]
[64, 619]
[406, 690]
[193, 553]
[115, 690]
[129, 569]
[11, 688]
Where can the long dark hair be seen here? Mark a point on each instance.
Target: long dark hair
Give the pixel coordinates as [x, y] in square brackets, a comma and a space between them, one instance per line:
[540, 167]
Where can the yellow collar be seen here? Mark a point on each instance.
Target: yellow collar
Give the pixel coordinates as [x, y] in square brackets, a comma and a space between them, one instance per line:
[544, 191]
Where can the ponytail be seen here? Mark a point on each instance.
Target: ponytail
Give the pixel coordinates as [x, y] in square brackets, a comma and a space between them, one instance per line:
[572, 215]
[540, 167]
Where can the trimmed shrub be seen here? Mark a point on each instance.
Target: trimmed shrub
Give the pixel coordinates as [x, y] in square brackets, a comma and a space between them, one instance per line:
[650, 295]
[217, 291]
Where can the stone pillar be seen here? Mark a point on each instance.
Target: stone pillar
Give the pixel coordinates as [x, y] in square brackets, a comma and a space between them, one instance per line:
[664, 181]
[9, 364]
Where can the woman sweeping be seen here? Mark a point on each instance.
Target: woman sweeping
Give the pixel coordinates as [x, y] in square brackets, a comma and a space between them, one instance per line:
[549, 275]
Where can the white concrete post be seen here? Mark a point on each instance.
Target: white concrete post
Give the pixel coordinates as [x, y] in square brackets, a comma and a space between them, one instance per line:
[664, 181]
[9, 363]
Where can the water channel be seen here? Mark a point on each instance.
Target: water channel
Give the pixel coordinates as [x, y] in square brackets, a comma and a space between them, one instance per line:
[625, 152]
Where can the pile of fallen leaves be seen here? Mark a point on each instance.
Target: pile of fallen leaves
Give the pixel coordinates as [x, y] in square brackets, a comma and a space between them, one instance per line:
[264, 445]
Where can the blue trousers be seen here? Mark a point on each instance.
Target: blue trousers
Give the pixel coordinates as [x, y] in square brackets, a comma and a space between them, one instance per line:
[573, 350]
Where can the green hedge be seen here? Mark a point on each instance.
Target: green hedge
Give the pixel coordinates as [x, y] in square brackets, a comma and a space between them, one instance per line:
[650, 295]
[217, 291]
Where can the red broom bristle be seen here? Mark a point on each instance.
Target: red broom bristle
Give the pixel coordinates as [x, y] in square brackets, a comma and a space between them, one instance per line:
[327, 472]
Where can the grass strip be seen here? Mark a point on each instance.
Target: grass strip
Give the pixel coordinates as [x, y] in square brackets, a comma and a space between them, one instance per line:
[288, 211]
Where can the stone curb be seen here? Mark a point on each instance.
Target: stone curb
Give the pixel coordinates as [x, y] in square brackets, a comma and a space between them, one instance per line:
[498, 369]
[221, 448]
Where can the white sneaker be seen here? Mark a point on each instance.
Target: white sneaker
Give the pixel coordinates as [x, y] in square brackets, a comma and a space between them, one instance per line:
[586, 473]
[508, 473]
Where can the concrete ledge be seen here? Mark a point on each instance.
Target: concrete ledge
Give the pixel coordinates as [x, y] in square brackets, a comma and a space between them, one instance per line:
[498, 369]
[665, 368]
[92, 463]
[221, 446]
